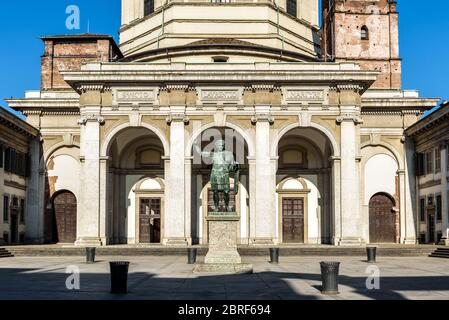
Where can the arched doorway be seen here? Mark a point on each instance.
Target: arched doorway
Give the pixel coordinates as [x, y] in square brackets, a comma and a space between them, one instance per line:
[305, 205]
[64, 213]
[382, 219]
[135, 187]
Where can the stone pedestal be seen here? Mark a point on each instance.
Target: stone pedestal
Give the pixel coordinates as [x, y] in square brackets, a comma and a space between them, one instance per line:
[223, 256]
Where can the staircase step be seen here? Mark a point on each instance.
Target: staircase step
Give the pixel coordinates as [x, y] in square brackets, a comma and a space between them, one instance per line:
[202, 250]
[5, 253]
[435, 255]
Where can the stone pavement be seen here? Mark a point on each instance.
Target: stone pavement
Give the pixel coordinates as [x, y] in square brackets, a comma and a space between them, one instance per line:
[160, 278]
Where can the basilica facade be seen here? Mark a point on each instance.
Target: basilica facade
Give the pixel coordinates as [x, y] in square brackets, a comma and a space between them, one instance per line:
[314, 115]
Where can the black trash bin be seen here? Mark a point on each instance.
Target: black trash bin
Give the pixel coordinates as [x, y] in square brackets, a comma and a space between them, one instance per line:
[90, 255]
[371, 253]
[191, 255]
[329, 276]
[274, 255]
[119, 277]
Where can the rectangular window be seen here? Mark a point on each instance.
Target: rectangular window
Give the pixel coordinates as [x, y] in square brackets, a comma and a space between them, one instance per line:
[438, 160]
[22, 211]
[429, 161]
[148, 7]
[422, 210]
[8, 160]
[438, 208]
[5, 208]
[1, 156]
[420, 164]
[292, 8]
[447, 155]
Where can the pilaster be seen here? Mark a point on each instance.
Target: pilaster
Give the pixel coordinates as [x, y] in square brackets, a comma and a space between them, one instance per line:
[88, 220]
[351, 222]
[444, 196]
[265, 178]
[175, 199]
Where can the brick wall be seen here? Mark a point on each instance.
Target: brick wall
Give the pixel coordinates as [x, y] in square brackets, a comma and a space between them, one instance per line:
[342, 25]
[67, 54]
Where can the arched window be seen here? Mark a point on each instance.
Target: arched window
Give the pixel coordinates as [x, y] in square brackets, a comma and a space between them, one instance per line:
[365, 33]
[148, 7]
[292, 8]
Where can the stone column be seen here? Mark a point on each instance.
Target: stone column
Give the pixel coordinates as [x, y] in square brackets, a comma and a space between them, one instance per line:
[444, 196]
[88, 220]
[104, 204]
[351, 222]
[408, 194]
[265, 176]
[335, 222]
[252, 199]
[188, 199]
[34, 218]
[175, 192]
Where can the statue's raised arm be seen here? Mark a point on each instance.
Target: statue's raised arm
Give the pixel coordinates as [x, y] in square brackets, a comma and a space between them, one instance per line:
[204, 154]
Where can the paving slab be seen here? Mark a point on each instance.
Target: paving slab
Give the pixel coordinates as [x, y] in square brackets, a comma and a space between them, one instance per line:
[171, 278]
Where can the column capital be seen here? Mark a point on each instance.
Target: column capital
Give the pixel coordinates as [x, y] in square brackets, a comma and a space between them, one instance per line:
[335, 159]
[401, 172]
[177, 117]
[349, 117]
[91, 118]
[262, 117]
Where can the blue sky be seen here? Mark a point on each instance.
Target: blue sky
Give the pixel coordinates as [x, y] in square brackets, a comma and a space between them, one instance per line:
[423, 29]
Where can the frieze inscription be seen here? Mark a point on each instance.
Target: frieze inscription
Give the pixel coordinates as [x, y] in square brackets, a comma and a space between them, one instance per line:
[220, 95]
[304, 95]
[128, 95]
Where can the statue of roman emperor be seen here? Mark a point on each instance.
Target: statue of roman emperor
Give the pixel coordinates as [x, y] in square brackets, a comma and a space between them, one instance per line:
[223, 163]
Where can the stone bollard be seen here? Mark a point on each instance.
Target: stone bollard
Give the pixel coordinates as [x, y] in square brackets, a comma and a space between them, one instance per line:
[329, 276]
[371, 254]
[191, 255]
[274, 255]
[119, 277]
[90, 255]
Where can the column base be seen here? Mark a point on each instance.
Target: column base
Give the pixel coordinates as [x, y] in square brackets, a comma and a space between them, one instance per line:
[409, 241]
[263, 242]
[176, 242]
[444, 242]
[351, 242]
[89, 242]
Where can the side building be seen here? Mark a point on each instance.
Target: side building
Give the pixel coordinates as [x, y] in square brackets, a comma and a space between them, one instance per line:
[431, 138]
[15, 141]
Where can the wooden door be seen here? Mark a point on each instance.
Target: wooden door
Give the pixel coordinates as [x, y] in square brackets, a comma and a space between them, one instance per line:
[150, 220]
[14, 226]
[431, 226]
[293, 220]
[65, 206]
[382, 219]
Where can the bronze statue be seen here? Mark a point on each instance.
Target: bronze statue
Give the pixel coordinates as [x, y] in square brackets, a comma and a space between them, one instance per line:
[223, 163]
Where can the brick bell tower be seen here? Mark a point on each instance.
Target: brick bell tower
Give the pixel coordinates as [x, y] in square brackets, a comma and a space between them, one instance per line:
[366, 32]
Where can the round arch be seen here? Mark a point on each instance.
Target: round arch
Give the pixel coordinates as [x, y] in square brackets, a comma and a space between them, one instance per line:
[245, 135]
[104, 149]
[322, 129]
[397, 157]
[54, 148]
